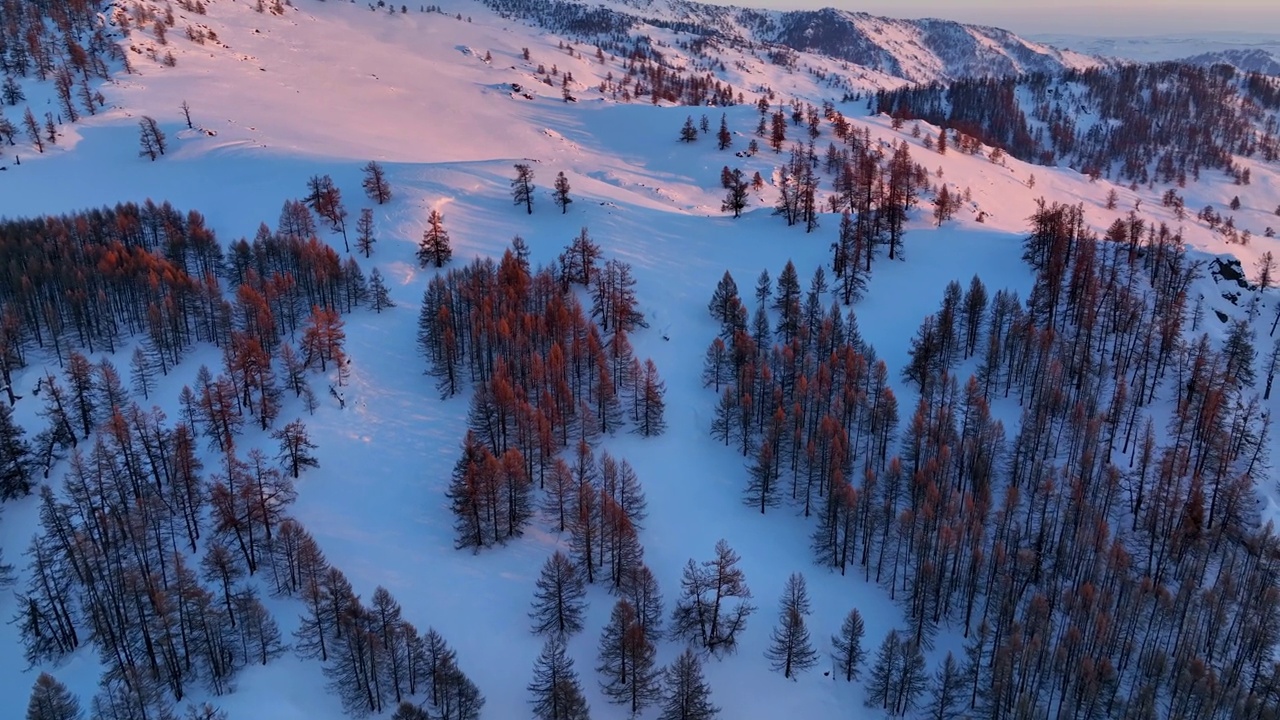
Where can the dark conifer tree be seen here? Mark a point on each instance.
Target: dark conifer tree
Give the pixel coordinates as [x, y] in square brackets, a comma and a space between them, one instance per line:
[880, 684]
[847, 646]
[140, 374]
[627, 673]
[557, 694]
[724, 307]
[689, 132]
[724, 138]
[946, 693]
[17, 462]
[522, 187]
[790, 649]
[295, 448]
[686, 695]
[735, 199]
[375, 183]
[562, 193]
[652, 402]
[33, 130]
[434, 248]
[560, 598]
[378, 290]
[640, 588]
[364, 232]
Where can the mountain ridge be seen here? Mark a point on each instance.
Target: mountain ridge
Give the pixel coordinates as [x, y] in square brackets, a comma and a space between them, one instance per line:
[916, 51]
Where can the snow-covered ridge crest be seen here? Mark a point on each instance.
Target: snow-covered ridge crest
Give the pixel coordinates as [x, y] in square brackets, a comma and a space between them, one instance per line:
[920, 51]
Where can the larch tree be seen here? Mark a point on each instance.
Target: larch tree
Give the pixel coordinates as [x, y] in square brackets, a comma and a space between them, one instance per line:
[686, 695]
[847, 649]
[522, 187]
[627, 671]
[375, 183]
[323, 338]
[557, 693]
[51, 700]
[434, 248]
[562, 193]
[365, 238]
[790, 649]
[560, 598]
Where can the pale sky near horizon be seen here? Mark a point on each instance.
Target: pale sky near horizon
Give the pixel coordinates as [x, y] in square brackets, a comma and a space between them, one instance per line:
[1091, 17]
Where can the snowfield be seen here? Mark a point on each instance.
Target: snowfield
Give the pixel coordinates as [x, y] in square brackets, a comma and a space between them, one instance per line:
[329, 86]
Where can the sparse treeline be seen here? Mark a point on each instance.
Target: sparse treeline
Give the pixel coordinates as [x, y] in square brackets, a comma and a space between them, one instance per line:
[112, 566]
[645, 71]
[144, 555]
[872, 191]
[1106, 560]
[1161, 122]
[67, 45]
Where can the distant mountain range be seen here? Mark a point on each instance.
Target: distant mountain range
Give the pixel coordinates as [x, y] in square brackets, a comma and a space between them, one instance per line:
[1251, 52]
[1258, 60]
[918, 51]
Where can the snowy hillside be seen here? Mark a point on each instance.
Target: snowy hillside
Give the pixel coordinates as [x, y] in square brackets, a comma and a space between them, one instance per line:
[1084, 528]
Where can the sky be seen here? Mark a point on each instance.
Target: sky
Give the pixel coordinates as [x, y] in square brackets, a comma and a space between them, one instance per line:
[1091, 17]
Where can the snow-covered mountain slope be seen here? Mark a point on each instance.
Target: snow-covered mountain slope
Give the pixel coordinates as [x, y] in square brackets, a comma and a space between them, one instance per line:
[325, 87]
[913, 50]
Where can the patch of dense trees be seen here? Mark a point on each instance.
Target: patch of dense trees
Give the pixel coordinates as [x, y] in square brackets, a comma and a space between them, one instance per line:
[1106, 559]
[548, 373]
[1162, 122]
[68, 45]
[644, 70]
[96, 278]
